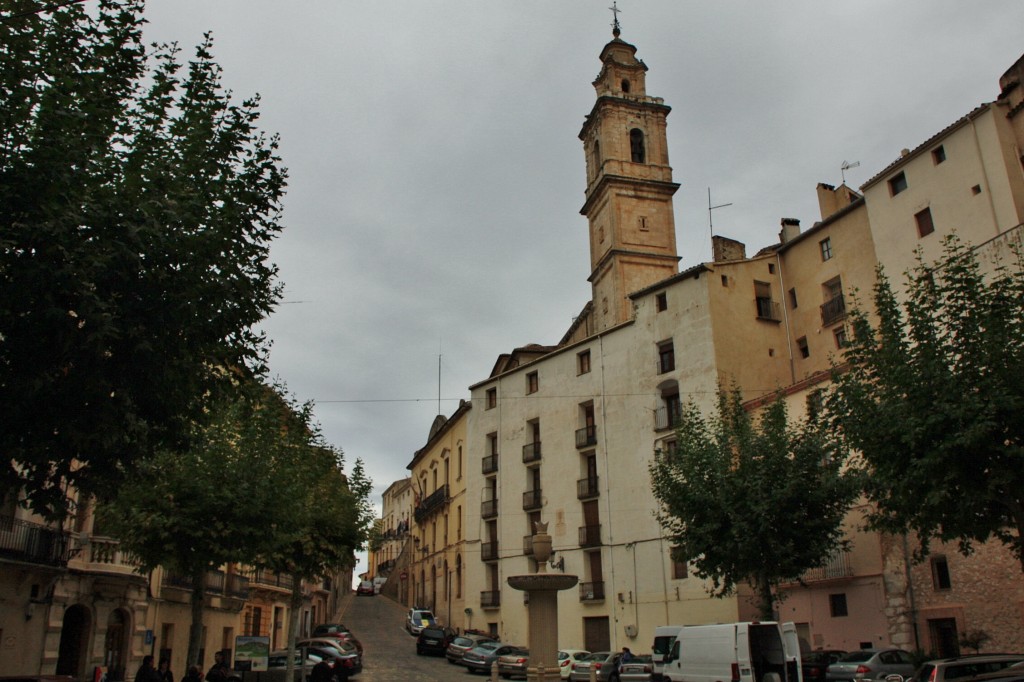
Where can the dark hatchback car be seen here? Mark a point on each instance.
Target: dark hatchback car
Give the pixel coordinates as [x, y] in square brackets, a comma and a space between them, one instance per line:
[433, 639]
[814, 664]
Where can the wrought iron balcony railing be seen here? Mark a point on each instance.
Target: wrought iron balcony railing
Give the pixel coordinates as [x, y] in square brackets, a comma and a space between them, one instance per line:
[592, 591]
[532, 499]
[586, 488]
[431, 503]
[214, 582]
[263, 578]
[489, 551]
[490, 599]
[531, 452]
[586, 436]
[590, 536]
[490, 464]
[33, 542]
[667, 418]
[489, 509]
[767, 309]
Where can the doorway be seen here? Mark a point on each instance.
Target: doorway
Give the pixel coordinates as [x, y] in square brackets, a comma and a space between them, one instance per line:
[74, 641]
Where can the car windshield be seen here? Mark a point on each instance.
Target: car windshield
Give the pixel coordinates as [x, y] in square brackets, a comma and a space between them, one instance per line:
[857, 657]
[599, 656]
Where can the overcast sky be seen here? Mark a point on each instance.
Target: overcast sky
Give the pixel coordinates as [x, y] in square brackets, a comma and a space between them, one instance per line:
[436, 176]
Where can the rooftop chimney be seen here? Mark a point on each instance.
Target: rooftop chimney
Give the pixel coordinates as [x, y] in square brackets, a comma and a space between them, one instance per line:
[725, 249]
[790, 229]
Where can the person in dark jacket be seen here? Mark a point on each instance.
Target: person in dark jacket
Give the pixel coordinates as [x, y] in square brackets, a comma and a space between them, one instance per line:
[164, 670]
[321, 672]
[220, 671]
[194, 674]
[147, 673]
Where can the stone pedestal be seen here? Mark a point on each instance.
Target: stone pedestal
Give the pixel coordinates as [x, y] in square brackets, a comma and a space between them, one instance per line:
[543, 588]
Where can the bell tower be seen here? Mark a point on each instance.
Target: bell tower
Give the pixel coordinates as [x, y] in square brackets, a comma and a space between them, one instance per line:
[629, 185]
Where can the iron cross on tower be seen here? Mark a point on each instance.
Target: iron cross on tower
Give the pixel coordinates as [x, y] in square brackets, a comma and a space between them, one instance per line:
[616, 29]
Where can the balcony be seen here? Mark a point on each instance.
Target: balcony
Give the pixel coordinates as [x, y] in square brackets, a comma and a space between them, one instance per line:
[490, 464]
[592, 591]
[586, 436]
[490, 599]
[489, 551]
[261, 577]
[590, 536]
[528, 545]
[33, 542]
[433, 502]
[767, 309]
[837, 566]
[531, 452]
[667, 417]
[532, 499]
[586, 488]
[214, 582]
[833, 310]
[489, 509]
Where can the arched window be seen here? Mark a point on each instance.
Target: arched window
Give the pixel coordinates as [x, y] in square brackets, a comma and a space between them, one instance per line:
[625, 85]
[636, 145]
[595, 161]
[458, 576]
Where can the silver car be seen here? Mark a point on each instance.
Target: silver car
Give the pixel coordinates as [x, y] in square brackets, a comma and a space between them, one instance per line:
[605, 664]
[870, 664]
[637, 669]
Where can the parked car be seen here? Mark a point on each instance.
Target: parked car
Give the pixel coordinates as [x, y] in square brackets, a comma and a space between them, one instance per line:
[1013, 673]
[417, 619]
[337, 631]
[433, 639]
[514, 663]
[334, 649]
[870, 664]
[604, 662]
[567, 658]
[277, 666]
[960, 667]
[638, 669]
[351, 660]
[366, 587]
[480, 658]
[814, 664]
[463, 643]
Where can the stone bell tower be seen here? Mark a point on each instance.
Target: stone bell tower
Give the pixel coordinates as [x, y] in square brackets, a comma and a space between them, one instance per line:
[629, 186]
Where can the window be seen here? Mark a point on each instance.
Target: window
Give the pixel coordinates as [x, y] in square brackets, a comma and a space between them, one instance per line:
[801, 343]
[826, 248]
[840, 334]
[642, 223]
[679, 568]
[815, 404]
[532, 382]
[938, 155]
[925, 226]
[583, 362]
[897, 183]
[940, 573]
[492, 398]
[666, 357]
[771, 268]
[725, 280]
[763, 300]
[976, 190]
[792, 298]
[837, 605]
[636, 145]
[661, 301]
[625, 85]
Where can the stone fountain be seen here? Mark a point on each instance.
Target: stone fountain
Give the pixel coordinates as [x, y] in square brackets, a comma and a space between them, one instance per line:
[542, 589]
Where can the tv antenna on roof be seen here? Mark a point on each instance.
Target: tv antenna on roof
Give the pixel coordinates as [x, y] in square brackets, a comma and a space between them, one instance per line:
[847, 166]
[711, 208]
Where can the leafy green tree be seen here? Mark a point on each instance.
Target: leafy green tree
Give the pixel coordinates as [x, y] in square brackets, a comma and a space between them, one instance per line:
[137, 206]
[757, 502]
[235, 496]
[933, 400]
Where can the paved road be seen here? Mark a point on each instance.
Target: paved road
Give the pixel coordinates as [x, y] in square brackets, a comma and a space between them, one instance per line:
[389, 652]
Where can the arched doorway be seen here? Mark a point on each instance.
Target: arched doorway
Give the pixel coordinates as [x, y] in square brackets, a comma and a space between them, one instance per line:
[74, 641]
[115, 648]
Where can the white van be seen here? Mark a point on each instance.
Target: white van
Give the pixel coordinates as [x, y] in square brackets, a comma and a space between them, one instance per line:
[734, 652]
[664, 638]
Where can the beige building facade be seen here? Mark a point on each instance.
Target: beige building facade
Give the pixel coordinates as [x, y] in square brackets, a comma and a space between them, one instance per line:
[436, 568]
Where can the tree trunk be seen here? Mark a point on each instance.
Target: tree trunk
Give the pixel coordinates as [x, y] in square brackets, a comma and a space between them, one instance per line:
[195, 633]
[765, 600]
[293, 624]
